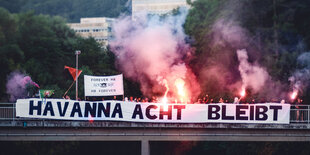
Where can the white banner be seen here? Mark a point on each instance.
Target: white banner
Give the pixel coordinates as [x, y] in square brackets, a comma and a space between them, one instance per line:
[270, 113]
[103, 85]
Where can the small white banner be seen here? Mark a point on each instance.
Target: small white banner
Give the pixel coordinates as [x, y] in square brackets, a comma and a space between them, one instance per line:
[269, 113]
[103, 85]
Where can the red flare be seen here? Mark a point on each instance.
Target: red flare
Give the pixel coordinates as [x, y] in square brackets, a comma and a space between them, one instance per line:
[180, 85]
[90, 119]
[294, 94]
[242, 93]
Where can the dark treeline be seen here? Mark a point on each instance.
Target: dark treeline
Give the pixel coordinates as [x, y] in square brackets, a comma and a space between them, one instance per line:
[41, 45]
[71, 10]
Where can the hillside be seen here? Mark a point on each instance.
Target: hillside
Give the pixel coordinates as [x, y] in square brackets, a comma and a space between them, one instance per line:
[71, 10]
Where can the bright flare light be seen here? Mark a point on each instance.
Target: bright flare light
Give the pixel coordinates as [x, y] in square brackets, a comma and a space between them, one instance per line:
[90, 119]
[294, 94]
[164, 100]
[242, 93]
[179, 84]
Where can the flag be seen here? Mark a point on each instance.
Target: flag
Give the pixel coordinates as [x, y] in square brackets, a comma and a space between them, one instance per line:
[73, 72]
[46, 93]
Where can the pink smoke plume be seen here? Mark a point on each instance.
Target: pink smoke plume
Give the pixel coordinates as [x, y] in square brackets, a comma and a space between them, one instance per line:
[151, 49]
[17, 84]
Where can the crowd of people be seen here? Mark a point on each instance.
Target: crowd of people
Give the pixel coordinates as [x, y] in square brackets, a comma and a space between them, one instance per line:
[204, 100]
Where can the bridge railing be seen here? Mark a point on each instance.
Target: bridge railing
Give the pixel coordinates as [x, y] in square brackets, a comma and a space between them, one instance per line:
[7, 111]
[298, 114]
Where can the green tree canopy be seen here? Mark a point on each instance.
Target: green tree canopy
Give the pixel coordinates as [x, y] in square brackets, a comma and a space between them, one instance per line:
[41, 45]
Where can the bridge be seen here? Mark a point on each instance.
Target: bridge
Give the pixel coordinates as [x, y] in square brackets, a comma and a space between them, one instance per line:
[26, 129]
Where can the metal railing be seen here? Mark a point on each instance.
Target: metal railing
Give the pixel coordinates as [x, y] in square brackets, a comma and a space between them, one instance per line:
[298, 114]
[7, 111]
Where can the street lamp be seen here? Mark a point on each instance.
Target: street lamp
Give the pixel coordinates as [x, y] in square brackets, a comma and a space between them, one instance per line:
[76, 73]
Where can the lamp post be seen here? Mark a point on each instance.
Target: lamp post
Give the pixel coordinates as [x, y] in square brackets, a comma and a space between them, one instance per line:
[76, 73]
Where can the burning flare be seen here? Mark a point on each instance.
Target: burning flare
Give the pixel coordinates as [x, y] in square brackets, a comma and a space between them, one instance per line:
[294, 94]
[179, 83]
[242, 93]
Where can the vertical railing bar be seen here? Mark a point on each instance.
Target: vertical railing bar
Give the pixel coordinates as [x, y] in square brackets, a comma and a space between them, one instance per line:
[308, 113]
[14, 109]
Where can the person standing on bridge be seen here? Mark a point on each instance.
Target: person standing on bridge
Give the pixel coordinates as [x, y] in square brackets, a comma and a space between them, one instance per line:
[299, 112]
[221, 100]
[236, 100]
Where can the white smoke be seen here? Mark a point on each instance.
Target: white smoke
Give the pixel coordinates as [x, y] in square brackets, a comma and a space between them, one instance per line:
[252, 75]
[228, 32]
[301, 77]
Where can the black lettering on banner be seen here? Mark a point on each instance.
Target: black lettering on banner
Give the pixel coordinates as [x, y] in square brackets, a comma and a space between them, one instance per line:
[48, 107]
[76, 109]
[179, 110]
[105, 110]
[117, 110]
[224, 117]
[275, 111]
[259, 113]
[213, 109]
[168, 113]
[252, 112]
[32, 107]
[62, 112]
[90, 110]
[147, 112]
[240, 112]
[137, 111]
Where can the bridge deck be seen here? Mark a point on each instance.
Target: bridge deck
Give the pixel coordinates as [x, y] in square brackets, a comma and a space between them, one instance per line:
[121, 131]
[12, 128]
[21, 129]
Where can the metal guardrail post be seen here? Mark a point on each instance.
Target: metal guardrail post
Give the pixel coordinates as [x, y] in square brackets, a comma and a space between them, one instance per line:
[308, 113]
[145, 147]
[14, 109]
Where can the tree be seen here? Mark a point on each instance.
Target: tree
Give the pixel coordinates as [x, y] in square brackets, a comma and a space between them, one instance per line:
[275, 33]
[71, 10]
[11, 55]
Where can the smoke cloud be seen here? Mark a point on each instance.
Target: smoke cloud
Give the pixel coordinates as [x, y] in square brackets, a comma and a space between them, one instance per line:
[218, 68]
[252, 75]
[228, 33]
[153, 48]
[301, 77]
[17, 85]
[225, 68]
